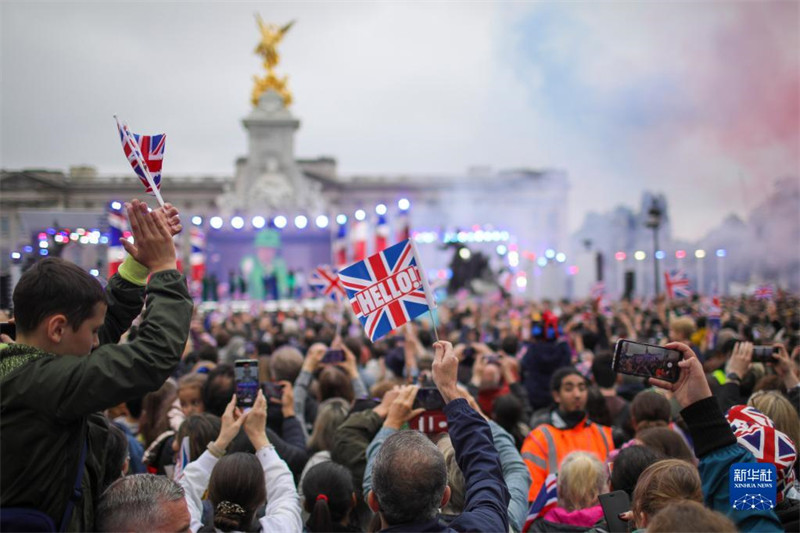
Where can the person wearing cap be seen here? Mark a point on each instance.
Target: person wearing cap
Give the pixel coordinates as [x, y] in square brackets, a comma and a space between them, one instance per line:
[266, 273]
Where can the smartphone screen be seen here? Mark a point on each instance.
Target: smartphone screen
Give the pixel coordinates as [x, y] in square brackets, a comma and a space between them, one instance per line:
[429, 399]
[333, 356]
[646, 360]
[614, 503]
[273, 390]
[246, 376]
[763, 354]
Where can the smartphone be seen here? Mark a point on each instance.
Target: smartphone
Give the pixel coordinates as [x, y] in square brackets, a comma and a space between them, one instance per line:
[333, 356]
[429, 398]
[492, 359]
[9, 328]
[614, 503]
[646, 360]
[245, 373]
[764, 354]
[273, 390]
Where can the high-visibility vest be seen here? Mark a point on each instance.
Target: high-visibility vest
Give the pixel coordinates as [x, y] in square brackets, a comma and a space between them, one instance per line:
[546, 446]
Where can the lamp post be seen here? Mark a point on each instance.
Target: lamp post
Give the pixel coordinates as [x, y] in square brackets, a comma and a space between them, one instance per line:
[654, 222]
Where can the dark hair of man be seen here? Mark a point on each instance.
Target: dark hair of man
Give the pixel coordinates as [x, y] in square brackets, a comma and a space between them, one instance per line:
[597, 408]
[604, 375]
[135, 503]
[507, 412]
[629, 464]
[54, 286]
[237, 478]
[201, 429]
[667, 442]
[650, 409]
[408, 478]
[510, 345]
[219, 389]
[560, 374]
[135, 407]
[116, 453]
[328, 493]
[335, 383]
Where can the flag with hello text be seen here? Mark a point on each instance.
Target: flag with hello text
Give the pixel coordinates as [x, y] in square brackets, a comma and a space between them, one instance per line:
[387, 289]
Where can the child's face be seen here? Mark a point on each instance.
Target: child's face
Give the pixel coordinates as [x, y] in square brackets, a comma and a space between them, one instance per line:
[191, 401]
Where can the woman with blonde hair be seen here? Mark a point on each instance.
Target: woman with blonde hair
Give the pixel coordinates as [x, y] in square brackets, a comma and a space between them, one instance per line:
[581, 479]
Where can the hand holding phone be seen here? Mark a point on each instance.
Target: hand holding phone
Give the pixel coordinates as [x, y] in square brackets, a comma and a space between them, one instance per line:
[430, 399]
[614, 504]
[246, 378]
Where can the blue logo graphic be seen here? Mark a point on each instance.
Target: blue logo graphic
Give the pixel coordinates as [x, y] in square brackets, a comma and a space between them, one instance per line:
[753, 486]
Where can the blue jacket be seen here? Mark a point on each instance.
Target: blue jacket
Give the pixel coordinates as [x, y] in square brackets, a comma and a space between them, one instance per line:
[717, 448]
[487, 497]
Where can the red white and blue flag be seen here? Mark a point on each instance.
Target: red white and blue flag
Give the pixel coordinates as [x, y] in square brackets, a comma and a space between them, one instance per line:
[145, 150]
[546, 500]
[598, 290]
[381, 234]
[764, 292]
[197, 257]
[677, 284]
[340, 246]
[117, 226]
[387, 289]
[358, 235]
[327, 282]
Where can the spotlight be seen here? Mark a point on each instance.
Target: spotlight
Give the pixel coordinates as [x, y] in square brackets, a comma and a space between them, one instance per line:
[258, 222]
[16, 255]
[403, 204]
[660, 254]
[501, 249]
[721, 252]
[522, 282]
[215, 222]
[341, 219]
[549, 253]
[94, 272]
[380, 209]
[639, 255]
[620, 256]
[464, 253]
[197, 220]
[280, 221]
[542, 261]
[237, 222]
[322, 221]
[300, 221]
[680, 254]
[360, 214]
[116, 206]
[700, 254]
[561, 257]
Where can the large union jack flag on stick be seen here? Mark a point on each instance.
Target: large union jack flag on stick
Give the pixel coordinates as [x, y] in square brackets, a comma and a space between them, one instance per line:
[328, 283]
[387, 289]
[145, 153]
[677, 284]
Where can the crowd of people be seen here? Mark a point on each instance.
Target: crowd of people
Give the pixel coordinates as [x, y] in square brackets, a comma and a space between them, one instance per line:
[114, 419]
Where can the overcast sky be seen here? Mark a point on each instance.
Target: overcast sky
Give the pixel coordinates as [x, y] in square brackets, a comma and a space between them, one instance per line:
[700, 100]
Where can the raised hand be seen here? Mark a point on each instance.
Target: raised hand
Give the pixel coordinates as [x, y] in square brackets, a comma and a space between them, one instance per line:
[402, 408]
[152, 240]
[445, 371]
[232, 420]
[691, 386]
[172, 215]
[255, 424]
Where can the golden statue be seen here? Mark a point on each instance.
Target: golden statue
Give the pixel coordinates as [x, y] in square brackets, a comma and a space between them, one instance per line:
[271, 35]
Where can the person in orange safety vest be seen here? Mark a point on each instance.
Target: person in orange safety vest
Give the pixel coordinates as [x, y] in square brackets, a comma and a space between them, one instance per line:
[566, 430]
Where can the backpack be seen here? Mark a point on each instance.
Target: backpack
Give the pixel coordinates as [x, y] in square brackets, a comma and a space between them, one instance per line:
[29, 520]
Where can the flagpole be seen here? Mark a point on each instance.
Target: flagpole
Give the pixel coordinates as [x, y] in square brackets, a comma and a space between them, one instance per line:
[134, 146]
[426, 287]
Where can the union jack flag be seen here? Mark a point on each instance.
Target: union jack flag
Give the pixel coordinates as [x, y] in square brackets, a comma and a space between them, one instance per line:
[387, 289]
[326, 280]
[405, 230]
[145, 150]
[677, 284]
[764, 292]
[117, 226]
[197, 258]
[546, 500]
[340, 246]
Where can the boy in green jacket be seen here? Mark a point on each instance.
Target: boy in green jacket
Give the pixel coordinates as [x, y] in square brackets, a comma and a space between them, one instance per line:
[54, 383]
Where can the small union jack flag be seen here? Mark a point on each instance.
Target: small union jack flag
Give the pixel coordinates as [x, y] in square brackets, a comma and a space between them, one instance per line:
[143, 150]
[197, 258]
[546, 500]
[117, 226]
[326, 280]
[387, 289]
[677, 284]
[764, 292]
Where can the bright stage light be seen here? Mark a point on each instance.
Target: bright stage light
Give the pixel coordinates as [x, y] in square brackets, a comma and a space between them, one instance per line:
[300, 221]
[322, 221]
[522, 282]
[403, 204]
[573, 270]
[43, 252]
[542, 261]
[501, 249]
[561, 257]
[721, 252]
[361, 215]
[513, 259]
[639, 255]
[197, 220]
[380, 209]
[237, 222]
[258, 222]
[620, 256]
[215, 222]
[94, 272]
[280, 221]
[116, 206]
[16, 255]
[680, 254]
[43, 244]
[549, 253]
[341, 219]
[660, 254]
[464, 253]
[700, 254]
